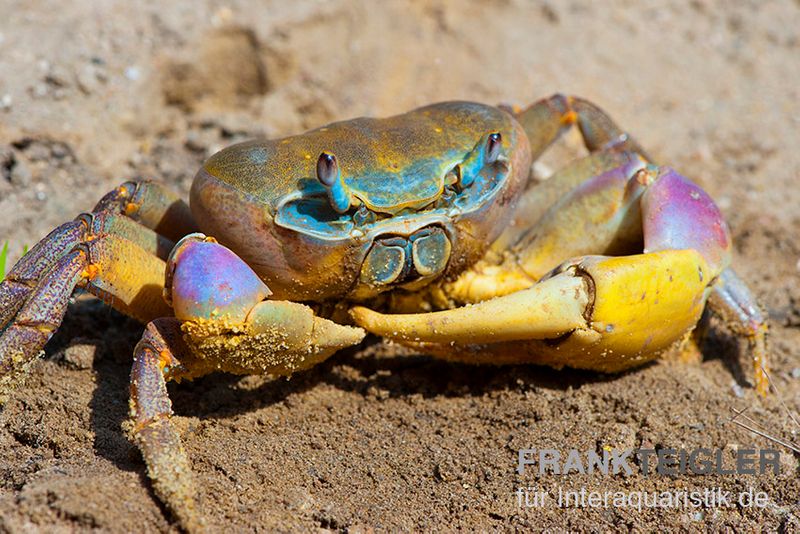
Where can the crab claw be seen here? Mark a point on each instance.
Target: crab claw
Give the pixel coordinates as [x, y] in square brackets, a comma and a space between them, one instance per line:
[205, 279]
[594, 312]
[539, 312]
[224, 310]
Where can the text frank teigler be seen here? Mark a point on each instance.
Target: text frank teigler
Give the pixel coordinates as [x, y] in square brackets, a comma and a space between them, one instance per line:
[646, 462]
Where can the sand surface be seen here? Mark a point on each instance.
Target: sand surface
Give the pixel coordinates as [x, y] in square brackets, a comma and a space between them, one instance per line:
[378, 438]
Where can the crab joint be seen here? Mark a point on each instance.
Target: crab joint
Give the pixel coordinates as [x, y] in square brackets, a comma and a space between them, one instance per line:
[131, 208]
[569, 118]
[91, 271]
[165, 360]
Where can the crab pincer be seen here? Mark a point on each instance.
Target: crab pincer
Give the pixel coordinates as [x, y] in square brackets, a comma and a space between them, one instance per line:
[594, 311]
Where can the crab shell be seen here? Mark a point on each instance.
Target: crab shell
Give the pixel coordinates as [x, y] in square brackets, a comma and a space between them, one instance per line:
[263, 199]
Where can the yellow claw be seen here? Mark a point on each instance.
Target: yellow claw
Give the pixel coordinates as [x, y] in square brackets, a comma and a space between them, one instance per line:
[601, 313]
[647, 302]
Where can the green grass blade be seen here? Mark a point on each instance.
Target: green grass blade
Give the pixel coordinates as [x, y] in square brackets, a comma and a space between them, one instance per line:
[3, 255]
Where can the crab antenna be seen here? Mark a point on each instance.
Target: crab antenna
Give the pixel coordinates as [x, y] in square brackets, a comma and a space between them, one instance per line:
[330, 176]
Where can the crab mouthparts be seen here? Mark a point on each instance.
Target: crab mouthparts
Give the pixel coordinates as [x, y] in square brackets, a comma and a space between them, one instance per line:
[395, 260]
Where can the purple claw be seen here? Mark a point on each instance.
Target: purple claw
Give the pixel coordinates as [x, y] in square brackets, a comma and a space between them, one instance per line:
[208, 280]
[679, 215]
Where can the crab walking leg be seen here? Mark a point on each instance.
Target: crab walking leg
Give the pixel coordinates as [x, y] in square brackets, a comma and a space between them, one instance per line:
[127, 277]
[600, 216]
[538, 200]
[86, 228]
[546, 120]
[733, 301]
[123, 274]
[23, 277]
[154, 359]
[38, 318]
[150, 204]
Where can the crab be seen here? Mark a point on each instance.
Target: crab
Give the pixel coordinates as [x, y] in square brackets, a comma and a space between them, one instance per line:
[424, 228]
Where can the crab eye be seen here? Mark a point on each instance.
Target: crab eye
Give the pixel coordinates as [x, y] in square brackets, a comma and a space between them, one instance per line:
[493, 144]
[327, 169]
[330, 176]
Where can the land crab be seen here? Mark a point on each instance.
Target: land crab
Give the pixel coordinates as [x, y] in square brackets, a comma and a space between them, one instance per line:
[429, 217]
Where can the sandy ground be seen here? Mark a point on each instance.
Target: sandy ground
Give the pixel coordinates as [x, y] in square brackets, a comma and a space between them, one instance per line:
[93, 93]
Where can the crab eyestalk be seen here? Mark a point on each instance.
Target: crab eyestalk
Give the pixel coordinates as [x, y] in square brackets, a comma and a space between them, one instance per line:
[330, 176]
[485, 153]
